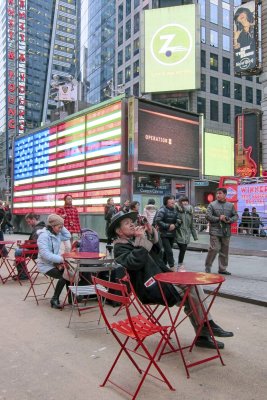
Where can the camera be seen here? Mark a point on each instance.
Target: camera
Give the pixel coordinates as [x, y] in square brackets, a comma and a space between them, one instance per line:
[141, 220]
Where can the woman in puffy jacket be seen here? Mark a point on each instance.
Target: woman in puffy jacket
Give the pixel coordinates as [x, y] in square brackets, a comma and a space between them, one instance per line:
[49, 259]
[185, 229]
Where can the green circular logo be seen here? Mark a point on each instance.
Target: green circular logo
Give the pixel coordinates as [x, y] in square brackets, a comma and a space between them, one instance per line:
[171, 44]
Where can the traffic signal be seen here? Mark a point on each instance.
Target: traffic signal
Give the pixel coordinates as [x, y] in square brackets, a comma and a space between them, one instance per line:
[208, 197]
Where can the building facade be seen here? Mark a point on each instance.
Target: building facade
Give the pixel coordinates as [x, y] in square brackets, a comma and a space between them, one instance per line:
[222, 95]
[40, 40]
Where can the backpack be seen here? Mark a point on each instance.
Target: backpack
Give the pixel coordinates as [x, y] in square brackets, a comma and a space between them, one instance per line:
[89, 241]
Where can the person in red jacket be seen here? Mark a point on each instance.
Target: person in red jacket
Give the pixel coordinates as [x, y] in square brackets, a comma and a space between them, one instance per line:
[71, 217]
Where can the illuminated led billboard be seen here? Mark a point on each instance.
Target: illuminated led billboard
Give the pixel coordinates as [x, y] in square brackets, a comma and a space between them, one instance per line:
[80, 156]
[163, 140]
[171, 49]
[218, 155]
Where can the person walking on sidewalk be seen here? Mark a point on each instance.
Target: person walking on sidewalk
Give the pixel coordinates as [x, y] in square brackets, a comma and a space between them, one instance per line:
[220, 214]
[166, 220]
[150, 211]
[185, 229]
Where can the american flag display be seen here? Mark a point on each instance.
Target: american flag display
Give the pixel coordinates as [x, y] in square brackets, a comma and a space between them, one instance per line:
[79, 156]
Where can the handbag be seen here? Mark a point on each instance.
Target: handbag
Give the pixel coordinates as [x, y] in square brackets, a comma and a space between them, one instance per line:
[70, 274]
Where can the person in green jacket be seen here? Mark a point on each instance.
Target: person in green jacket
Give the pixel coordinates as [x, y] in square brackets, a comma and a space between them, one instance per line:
[185, 229]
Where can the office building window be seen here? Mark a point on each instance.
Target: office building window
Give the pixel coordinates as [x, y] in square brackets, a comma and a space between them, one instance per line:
[120, 36]
[128, 74]
[120, 58]
[214, 87]
[226, 43]
[136, 46]
[120, 13]
[203, 34]
[128, 7]
[136, 3]
[201, 105]
[120, 78]
[202, 9]
[136, 89]
[136, 22]
[214, 62]
[249, 95]
[214, 110]
[226, 16]
[203, 59]
[213, 38]
[238, 110]
[226, 88]
[238, 92]
[128, 30]
[214, 13]
[203, 83]
[226, 66]
[258, 97]
[127, 53]
[257, 79]
[249, 78]
[136, 68]
[226, 113]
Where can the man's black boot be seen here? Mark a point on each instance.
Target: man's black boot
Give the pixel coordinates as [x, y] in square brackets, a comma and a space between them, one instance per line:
[207, 342]
[216, 329]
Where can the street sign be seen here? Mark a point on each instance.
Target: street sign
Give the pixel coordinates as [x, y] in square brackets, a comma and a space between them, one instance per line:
[201, 183]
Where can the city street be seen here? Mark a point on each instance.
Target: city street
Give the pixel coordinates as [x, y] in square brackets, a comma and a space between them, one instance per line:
[42, 359]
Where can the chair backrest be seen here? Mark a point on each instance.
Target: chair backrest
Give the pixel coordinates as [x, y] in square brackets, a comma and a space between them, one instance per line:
[103, 290]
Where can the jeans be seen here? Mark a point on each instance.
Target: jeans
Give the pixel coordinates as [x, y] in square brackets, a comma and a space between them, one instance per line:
[167, 243]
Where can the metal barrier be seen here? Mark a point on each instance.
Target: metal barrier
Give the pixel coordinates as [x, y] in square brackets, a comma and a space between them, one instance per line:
[254, 226]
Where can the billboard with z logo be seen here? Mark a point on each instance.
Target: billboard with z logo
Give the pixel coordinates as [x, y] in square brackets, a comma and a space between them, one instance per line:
[171, 53]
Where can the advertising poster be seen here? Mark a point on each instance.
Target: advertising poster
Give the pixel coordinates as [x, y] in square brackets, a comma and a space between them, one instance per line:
[253, 196]
[245, 37]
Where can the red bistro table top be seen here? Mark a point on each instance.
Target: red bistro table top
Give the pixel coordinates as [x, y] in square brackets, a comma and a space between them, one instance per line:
[84, 255]
[189, 278]
[7, 242]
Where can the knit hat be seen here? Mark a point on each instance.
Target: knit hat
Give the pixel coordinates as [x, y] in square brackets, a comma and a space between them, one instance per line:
[54, 219]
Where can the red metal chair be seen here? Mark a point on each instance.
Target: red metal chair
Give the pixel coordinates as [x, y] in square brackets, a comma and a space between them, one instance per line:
[148, 309]
[133, 330]
[33, 274]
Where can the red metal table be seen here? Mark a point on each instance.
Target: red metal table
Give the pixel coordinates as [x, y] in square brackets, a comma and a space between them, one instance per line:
[5, 260]
[189, 280]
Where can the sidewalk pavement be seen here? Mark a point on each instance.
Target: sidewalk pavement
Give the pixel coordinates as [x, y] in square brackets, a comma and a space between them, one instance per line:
[41, 359]
[247, 263]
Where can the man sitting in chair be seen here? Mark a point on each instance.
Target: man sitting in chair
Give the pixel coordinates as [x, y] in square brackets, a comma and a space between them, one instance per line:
[32, 220]
[136, 248]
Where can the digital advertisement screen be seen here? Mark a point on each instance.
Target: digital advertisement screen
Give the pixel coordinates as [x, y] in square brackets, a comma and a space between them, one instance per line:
[79, 156]
[167, 141]
[218, 155]
[247, 149]
[171, 49]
